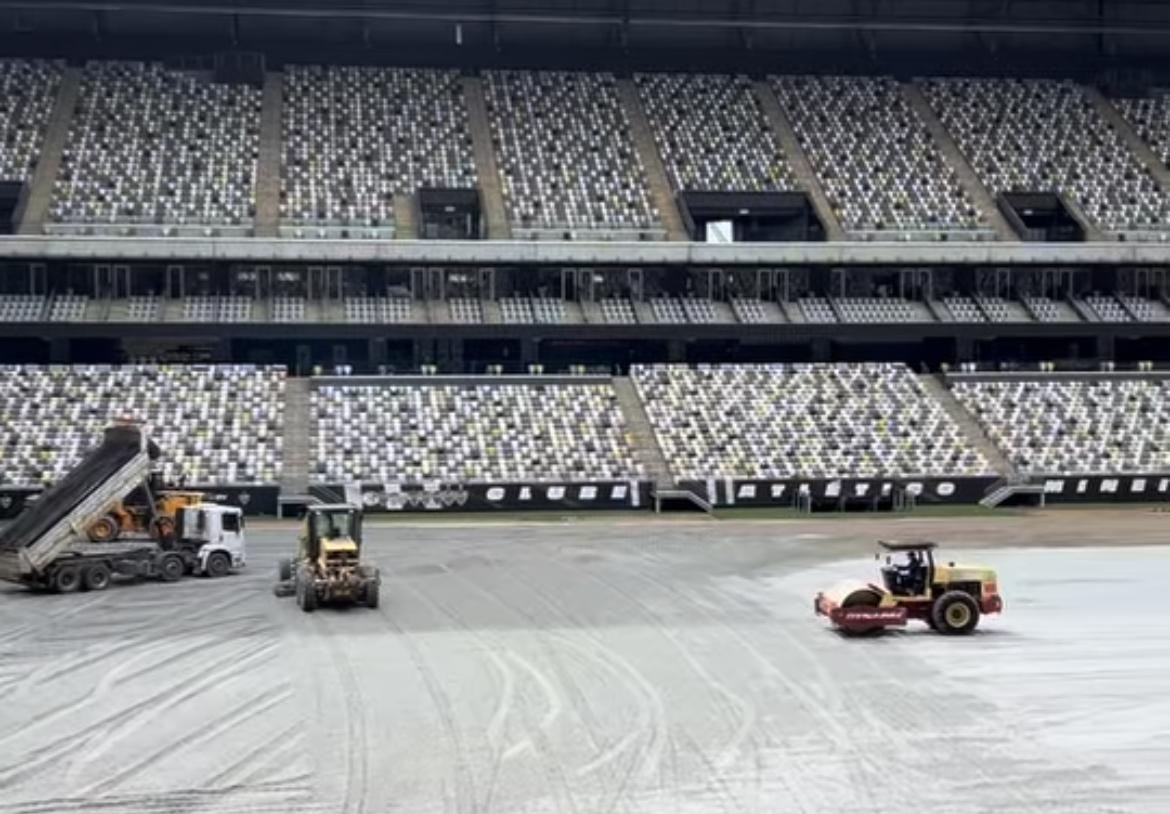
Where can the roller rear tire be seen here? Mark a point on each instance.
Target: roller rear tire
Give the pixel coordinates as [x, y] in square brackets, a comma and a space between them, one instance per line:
[955, 613]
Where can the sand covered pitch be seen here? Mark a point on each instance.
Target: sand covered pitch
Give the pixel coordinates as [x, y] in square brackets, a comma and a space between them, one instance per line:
[597, 667]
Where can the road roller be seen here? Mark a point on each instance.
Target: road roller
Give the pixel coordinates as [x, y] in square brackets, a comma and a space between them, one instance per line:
[951, 598]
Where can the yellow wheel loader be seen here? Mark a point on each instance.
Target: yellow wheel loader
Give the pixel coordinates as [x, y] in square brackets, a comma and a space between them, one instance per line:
[133, 516]
[328, 566]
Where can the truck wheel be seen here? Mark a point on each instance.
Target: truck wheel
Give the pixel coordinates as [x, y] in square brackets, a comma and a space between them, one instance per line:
[96, 577]
[66, 579]
[218, 564]
[372, 594]
[955, 613]
[284, 570]
[171, 568]
[103, 530]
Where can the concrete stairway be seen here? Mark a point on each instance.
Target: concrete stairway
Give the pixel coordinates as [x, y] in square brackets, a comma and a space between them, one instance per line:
[1132, 140]
[644, 313]
[591, 313]
[491, 192]
[806, 177]
[40, 194]
[641, 433]
[405, 218]
[268, 166]
[492, 314]
[951, 153]
[647, 149]
[294, 479]
[969, 426]
[1092, 231]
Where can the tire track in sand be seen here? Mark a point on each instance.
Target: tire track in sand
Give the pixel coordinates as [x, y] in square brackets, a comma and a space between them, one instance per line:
[189, 686]
[213, 727]
[357, 773]
[652, 732]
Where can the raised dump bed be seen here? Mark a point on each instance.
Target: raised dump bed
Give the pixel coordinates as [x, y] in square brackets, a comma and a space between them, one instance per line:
[50, 534]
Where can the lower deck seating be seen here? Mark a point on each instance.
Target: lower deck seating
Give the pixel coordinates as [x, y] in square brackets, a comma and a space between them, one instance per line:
[802, 420]
[1051, 426]
[214, 424]
[477, 433]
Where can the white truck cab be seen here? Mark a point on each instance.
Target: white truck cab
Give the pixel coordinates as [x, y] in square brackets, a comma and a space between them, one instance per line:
[214, 537]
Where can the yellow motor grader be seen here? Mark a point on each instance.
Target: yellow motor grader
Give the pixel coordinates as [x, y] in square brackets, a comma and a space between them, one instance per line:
[328, 566]
[950, 598]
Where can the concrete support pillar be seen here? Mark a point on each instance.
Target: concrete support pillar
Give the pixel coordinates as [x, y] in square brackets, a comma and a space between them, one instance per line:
[59, 351]
[1106, 348]
[376, 353]
[964, 350]
[822, 350]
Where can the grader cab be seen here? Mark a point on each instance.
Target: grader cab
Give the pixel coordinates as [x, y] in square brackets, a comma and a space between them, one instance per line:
[328, 565]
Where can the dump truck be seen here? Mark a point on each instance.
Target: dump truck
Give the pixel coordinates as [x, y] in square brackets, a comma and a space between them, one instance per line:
[949, 597]
[328, 566]
[47, 547]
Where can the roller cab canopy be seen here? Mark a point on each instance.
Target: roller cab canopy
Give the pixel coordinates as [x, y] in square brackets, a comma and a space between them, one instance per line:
[907, 545]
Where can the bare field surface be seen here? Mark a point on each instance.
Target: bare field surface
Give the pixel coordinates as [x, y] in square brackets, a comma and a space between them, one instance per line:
[603, 667]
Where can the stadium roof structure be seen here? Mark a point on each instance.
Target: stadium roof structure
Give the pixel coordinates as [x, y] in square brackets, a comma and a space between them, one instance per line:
[971, 35]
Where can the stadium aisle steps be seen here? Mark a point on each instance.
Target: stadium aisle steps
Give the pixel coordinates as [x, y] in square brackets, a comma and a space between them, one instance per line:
[405, 220]
[294, 478]
[643, 138]
[486, 169]
[1093, 232]
[268, 167]
[970, 182]
[1132, 140]
[40, 191]
[801, 166]
[968, 424]
[642, 435]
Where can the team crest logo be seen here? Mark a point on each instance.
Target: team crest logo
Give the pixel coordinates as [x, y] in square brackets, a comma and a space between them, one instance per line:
[373, 500]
